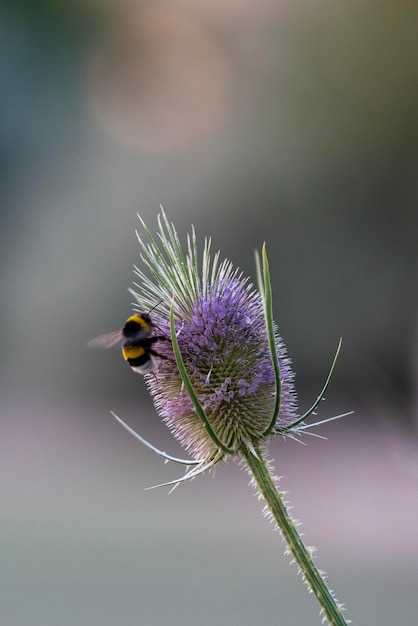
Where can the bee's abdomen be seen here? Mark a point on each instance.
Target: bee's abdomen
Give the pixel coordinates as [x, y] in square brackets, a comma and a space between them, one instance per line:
[135, 355]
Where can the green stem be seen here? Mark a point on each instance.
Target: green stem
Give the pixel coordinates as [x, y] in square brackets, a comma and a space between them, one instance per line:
[296, 547]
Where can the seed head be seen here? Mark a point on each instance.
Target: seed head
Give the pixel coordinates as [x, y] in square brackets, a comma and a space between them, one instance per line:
[221, 333]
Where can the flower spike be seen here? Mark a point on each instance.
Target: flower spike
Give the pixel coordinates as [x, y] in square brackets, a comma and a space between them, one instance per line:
[218, 380]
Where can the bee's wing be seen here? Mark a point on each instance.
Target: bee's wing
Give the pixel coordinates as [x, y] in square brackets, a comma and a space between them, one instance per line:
[106, 341]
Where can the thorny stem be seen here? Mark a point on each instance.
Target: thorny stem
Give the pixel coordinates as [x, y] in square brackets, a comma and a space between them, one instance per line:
[296, 547]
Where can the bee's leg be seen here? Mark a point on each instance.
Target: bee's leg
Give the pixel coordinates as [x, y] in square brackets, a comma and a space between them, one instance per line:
[157, 354]
[152, 340]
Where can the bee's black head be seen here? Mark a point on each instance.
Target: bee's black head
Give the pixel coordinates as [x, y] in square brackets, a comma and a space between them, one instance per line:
[137, 325]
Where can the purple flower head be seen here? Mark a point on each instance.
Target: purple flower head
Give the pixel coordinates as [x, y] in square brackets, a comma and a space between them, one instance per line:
[224, 351]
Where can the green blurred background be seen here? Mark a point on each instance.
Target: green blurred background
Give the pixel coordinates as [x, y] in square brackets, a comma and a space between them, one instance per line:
[293, 123]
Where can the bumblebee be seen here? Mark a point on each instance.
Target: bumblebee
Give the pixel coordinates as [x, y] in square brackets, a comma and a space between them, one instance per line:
[137, 343]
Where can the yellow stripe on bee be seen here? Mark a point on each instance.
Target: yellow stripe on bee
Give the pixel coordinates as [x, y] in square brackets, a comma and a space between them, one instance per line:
[138, 319]
[132, 352]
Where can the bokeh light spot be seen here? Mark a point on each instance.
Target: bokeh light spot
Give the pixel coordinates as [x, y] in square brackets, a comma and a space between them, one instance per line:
[158, 81]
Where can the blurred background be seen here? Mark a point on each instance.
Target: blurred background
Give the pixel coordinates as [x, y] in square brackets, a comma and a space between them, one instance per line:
[293, 123]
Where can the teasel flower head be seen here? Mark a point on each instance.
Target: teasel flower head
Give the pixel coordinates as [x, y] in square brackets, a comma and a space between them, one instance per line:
[223, 382]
